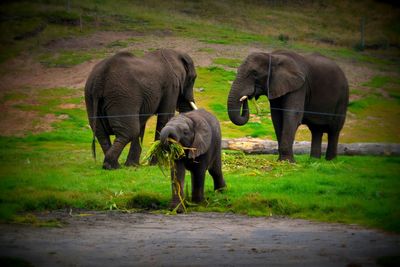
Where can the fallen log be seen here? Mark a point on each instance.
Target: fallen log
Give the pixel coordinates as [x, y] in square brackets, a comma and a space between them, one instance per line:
[260, 146]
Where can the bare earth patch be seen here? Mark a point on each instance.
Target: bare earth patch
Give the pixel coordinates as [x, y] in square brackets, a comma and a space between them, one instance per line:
[195, 239]
[71, 106]
[15, 122]
[96, 40]
[24, 71]
[31, 74]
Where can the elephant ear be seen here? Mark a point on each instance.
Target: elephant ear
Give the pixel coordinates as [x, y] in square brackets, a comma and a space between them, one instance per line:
[190, 72]
[202, 135]
[287, 76]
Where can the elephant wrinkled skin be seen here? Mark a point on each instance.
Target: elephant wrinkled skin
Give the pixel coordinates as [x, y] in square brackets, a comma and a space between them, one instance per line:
[310, 90]
[124, 91]
[200, 131]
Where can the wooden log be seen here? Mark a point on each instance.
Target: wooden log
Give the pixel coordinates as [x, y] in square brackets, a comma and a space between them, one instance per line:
[260, 146]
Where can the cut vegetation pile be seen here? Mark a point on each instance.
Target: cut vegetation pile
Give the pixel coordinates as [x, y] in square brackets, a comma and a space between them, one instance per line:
[166, 155]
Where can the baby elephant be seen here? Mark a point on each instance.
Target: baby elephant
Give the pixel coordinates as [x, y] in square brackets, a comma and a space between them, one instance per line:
[199, 130]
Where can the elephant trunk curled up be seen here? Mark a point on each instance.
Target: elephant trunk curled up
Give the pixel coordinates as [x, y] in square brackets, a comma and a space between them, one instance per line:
[238, 109]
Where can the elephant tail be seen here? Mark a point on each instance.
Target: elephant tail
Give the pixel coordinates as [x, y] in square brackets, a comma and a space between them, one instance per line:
[94, 118]
[92, 105]
[94, 147]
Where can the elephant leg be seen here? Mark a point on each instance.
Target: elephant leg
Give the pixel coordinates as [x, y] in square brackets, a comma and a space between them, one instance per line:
[333, 139]
[216, 173]
[291, 121]
[316, 142]
[177, 185]
[161, 121]
[102, 137]
[276, 115]
[126, 129]
[198, 177]
[136, 148]
[113, 153]
[292, 109]
[134, 152]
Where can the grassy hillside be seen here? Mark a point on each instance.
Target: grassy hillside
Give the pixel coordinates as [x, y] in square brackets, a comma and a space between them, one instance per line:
[297, 24]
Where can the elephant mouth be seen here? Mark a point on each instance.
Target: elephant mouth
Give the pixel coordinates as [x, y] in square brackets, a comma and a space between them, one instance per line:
[257, 92]
[186, 106]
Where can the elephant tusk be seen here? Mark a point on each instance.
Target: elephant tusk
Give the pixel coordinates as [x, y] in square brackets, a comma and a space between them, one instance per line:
[193, 105]
[243, 98]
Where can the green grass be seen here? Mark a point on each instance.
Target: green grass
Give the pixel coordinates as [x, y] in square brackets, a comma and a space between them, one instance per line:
[65, 58]
[390, 84]
[207, 50]
[376, 119]
[229, 62]
[42, 175]
[380, 81]
[54, 170]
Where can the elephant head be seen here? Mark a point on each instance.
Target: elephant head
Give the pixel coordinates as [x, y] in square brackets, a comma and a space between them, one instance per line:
[273, 75]
[187, 78]
[190, 130]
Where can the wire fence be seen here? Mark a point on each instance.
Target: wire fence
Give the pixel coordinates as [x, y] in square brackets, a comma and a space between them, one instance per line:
[259, 113]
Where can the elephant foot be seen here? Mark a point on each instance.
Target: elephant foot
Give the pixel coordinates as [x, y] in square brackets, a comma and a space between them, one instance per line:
[287, 158]
[330, 157]
[111, 165]
[197, 199]
[220, 187]
[316, 156]
[176, 206]
[131, 163]
[153, 161]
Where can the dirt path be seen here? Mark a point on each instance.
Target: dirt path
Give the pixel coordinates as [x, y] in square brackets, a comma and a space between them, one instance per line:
[196, 239]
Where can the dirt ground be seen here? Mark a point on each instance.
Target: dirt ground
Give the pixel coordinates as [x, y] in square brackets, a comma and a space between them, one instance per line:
[195, 239]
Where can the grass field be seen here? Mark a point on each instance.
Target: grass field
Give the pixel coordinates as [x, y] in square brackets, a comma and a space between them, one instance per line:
[47, 165]
[46, 175]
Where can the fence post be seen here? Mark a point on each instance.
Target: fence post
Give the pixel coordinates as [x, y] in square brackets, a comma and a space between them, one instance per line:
[68, 5]
[80, 23]
[362, 32]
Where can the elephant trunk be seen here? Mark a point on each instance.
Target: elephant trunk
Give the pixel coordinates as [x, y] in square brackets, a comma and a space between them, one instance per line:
[238, 108]
[166, 133]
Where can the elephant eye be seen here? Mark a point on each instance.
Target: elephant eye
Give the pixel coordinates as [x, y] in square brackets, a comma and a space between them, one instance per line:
[185, 132]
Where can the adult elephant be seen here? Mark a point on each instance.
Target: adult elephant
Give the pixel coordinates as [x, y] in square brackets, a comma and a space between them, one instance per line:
[309, 89]
[124, 91]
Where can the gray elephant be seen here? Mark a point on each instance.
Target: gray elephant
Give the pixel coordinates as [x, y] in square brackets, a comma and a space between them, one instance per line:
[201, 131]
[124, 91]
[310, 90]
